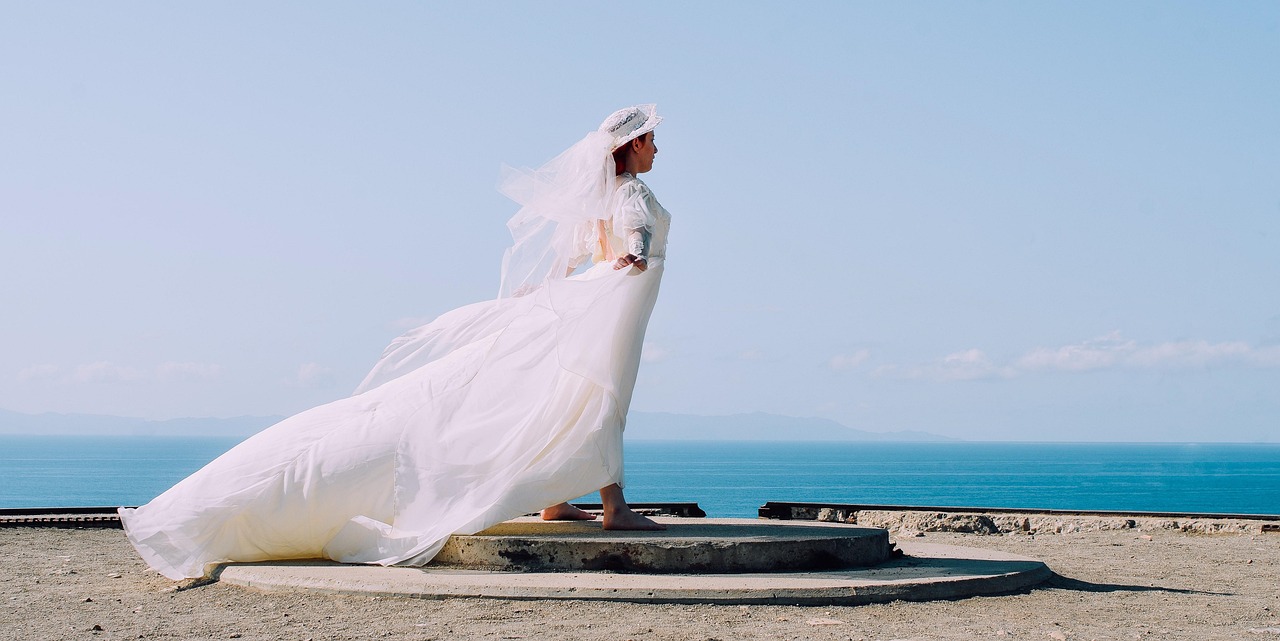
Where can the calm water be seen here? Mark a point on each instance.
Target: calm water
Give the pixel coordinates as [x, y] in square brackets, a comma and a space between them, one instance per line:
[733, 479]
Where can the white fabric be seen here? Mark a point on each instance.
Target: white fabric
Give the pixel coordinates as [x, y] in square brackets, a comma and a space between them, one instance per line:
[560, 202]
[491, 411]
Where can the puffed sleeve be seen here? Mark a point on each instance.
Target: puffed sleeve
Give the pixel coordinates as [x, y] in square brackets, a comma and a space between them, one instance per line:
[634, 219]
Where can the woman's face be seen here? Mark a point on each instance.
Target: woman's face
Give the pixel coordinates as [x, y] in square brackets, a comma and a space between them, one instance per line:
[644, 153]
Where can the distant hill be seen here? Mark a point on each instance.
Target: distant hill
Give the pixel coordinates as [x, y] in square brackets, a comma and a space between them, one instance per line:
[641, 426]
[756, 426]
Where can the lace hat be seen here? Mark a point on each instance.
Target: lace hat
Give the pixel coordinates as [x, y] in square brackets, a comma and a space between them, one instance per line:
[628, 124]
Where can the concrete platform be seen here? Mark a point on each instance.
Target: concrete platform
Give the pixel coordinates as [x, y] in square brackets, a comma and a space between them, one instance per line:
[925, 572]
[688, 546]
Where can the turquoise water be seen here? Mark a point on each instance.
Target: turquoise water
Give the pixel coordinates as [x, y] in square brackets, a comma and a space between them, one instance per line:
[735, 478]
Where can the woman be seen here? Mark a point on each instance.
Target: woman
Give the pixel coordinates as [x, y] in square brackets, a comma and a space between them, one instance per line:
[491, 411]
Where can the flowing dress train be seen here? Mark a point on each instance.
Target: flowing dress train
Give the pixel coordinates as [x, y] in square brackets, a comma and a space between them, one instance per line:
[491, 411]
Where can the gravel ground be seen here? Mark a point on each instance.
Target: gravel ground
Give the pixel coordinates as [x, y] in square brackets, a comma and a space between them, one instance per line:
[89, 584]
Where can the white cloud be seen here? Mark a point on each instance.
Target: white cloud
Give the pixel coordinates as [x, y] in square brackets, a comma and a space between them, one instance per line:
[969, 364]
[39, 373]
[751, 355]
[841, 362]
[653, 353]
[1097, 353]
[1194, 353]
[173, 371]
[104, 372]
[314, 375]
[1111, 351]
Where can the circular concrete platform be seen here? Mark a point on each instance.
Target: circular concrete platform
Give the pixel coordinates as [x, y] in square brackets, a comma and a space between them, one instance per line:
[925, 572]
[687, 546]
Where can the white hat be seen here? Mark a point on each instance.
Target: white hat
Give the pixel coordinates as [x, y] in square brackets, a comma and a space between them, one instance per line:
[628, 124]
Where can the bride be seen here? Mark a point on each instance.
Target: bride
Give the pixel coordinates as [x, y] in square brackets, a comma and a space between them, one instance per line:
[491, 411]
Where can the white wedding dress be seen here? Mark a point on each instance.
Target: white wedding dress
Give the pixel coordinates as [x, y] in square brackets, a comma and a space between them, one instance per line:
[491, 411]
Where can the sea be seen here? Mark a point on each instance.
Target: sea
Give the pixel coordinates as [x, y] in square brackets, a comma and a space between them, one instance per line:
[733, 479]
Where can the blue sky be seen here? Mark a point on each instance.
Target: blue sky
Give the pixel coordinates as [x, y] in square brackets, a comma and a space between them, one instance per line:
[1030, 221]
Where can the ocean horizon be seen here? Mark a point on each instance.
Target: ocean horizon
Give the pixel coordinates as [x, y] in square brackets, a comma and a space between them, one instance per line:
[733, 478]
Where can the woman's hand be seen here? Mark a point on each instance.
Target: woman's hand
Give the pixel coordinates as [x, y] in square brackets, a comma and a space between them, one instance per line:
[631, 259]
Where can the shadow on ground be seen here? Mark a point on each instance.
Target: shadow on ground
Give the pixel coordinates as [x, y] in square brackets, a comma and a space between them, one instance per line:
[1067, 583]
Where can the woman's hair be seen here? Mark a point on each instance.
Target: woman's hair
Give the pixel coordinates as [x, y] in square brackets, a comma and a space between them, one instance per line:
[620, 154]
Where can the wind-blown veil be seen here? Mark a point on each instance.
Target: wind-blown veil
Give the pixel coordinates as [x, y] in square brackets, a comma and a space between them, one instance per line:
[554, 229]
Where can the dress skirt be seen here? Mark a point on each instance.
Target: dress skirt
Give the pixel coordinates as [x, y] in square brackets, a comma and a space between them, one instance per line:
[491, 411]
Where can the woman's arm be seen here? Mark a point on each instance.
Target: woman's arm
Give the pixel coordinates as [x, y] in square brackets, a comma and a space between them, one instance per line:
[634, 224]
[637, 244]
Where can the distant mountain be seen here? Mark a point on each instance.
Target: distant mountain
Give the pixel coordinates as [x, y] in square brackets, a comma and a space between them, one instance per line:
[757, 426]
[641, 426]
[100, 425]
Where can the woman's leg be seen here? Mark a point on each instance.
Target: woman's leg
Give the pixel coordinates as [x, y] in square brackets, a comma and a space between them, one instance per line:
[618, 516]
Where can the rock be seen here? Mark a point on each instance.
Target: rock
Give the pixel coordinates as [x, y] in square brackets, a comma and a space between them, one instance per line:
[836, 515]
[963, 523]
[1011, 523]
[909, 522]
[1116, 524]
[804, 513]
[1214, 526]
[96, 628]
[114, 575]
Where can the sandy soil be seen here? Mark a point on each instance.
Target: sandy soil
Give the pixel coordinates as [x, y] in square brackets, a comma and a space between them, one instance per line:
[89, 584]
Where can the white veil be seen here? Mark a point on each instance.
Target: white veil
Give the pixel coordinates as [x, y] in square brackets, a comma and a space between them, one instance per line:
[554, 230]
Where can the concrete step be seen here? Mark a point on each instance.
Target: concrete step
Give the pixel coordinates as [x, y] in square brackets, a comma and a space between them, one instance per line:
[925, 571]
[686, 546]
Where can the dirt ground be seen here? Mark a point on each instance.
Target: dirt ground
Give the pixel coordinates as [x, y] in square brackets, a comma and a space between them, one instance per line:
[1134, 585]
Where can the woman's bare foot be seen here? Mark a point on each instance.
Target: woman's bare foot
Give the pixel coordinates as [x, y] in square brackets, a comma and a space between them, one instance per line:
[566, 512]
[626, 519]
[619, 516]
